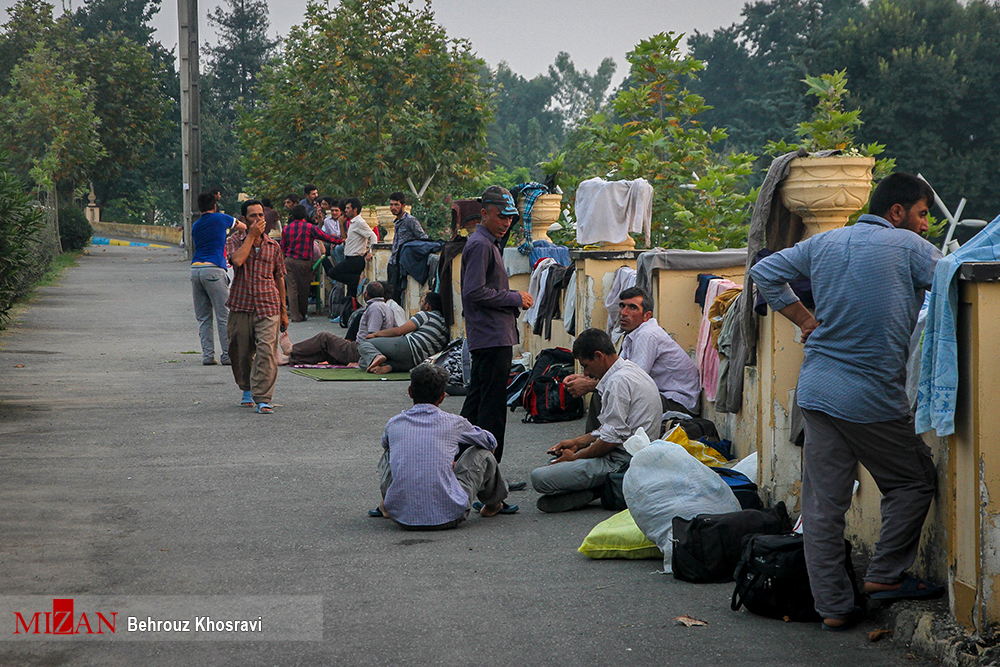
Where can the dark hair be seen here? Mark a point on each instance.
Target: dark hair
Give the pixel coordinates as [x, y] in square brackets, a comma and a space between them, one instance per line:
[374, 290]
[899, 188]
[387, 289]
[308, 188]
[591, 341]
[330, 200]
[427, 383]
[433, 299]
[292, 197]
[216, 192]
[632, 292]
[206, 202]
[354, 202]
[247, 204]
[265, 202]
[299, 212]
[398, 196]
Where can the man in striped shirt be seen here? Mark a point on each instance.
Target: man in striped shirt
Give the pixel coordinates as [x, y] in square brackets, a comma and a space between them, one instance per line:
[403, 347]
[426, 484]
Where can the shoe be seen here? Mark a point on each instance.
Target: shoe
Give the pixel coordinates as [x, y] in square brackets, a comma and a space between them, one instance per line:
[564, 502]
[226, 362]
[857, 615]
[909, 589]
[208, 362]
[375, 513]
[516, 486]
[504, 509]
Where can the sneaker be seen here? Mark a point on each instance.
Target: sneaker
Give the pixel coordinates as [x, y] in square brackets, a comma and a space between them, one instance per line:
[564, 502]
[209, 362]
[226, 362]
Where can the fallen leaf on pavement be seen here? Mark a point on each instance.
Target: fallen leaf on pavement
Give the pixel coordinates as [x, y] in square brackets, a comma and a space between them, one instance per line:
[690, 622]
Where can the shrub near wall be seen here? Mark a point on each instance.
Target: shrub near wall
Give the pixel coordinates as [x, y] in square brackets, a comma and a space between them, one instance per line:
[74, 229]
[25, 254]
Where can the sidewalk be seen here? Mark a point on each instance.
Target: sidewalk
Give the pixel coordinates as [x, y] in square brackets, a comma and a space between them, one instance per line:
[129, 469]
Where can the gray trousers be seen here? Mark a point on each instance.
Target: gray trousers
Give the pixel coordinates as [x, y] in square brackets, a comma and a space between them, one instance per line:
[210, 289]
[396, 350]
[578, 475]
[477, 473]
[901, 464]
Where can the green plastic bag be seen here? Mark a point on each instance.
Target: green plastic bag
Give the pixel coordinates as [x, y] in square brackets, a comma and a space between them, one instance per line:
[618, 537]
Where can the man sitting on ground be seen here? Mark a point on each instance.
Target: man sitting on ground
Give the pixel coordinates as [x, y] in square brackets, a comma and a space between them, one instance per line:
[423, 486]
[403, 347]
[654, 351]
[326, 347]
[629, 400]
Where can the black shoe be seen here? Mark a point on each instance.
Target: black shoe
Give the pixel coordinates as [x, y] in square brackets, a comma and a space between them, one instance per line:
[564, 502]
[516, 486]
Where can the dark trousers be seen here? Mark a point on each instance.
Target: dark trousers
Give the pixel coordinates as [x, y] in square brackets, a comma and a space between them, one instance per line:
[348, 272]
[486, 403]
[297, 283]
[324, 346]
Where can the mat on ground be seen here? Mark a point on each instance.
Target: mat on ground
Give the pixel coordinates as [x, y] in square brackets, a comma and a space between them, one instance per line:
[346, 374]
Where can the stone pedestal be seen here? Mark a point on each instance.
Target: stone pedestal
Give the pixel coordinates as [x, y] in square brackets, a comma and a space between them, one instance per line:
[544, 212]
[826, 191]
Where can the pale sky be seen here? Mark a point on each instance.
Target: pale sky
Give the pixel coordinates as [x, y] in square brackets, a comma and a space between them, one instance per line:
[526, 33]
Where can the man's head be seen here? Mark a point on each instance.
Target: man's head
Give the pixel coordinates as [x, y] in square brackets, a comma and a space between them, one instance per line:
[427, 383]
[432, 301]
[217, 193]
[311, 193]
[207, 202]
[252, 211]
[266, 202]
[904, 200]
[299, 212]
[374, 290]
[595, 352]
[290, 201]
[499, 211]
[397, 203]
[352, 207]
[635, 307]
[327, 204]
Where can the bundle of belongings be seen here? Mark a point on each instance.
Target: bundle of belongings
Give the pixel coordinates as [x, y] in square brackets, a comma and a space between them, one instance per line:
[607, 211]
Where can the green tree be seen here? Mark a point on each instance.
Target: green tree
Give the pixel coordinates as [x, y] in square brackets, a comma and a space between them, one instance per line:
[579, 94]
[243, 50]
[23, 255]
[701, 199]
[50, 125]
[369, 95]
[526, 127]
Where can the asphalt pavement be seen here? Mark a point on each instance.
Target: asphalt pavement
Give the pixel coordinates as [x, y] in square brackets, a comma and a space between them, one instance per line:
[129, 469]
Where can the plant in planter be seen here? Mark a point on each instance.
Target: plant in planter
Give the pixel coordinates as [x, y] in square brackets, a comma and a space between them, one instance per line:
[826, 191]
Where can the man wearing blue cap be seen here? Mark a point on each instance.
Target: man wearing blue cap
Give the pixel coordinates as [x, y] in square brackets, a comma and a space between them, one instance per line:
[490, 310]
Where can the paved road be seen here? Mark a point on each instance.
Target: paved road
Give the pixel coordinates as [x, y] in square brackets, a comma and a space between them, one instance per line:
[129, 469]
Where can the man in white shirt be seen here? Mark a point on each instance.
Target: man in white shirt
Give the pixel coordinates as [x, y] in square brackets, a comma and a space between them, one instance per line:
[357, 249]
[654, 351]
[630, 400]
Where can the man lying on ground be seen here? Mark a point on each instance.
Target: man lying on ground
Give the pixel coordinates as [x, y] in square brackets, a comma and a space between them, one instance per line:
[338, 351]
[629, 400]
[403, 347]
[423, 486]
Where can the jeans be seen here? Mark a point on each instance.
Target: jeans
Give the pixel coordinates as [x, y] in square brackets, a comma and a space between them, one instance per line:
[210, 289]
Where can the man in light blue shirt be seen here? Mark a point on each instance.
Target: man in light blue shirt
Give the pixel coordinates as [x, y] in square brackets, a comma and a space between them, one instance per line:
[868, 281]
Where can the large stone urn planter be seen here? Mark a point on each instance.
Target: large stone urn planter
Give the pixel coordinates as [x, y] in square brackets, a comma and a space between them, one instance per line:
[544, 213]
[826, 191]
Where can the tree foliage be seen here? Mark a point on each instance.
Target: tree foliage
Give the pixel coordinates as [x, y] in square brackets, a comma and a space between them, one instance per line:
[244, 48]
[23, 255]
[700, 200]
[369, 97]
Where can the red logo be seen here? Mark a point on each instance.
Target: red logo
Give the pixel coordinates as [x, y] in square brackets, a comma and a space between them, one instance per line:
[62, 621]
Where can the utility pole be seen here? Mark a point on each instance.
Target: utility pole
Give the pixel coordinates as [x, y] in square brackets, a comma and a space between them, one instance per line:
[187, 46]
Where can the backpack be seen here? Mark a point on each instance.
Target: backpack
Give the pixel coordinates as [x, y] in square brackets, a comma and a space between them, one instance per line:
[354, 324]
[771, 578]
[350, 305]
[707, 548]
[741, 486]
[546, 398]
[696, 428]
[559, 356]
[612, 495]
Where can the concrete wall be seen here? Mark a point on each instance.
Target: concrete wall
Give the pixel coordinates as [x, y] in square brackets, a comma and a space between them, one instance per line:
[676, 310]
[149, 232]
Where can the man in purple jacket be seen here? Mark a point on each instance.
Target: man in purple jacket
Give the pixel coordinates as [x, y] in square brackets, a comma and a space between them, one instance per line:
[490, 310]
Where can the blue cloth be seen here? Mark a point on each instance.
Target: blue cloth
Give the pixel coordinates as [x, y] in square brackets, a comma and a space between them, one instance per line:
[938, 388]
[423, 443]
[208, 233]
[530, 191]
[868, 281]
[413, 258]
[543, 248]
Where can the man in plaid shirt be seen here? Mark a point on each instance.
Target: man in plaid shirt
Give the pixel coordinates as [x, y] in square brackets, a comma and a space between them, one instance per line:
[256, 308]
[297, 245]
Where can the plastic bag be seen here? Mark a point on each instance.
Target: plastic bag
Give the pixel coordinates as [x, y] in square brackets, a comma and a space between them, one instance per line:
[695, 448]
[664, 481]
[618, 537]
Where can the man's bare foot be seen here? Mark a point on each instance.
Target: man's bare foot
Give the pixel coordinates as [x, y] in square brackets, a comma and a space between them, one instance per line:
[353, 364]
[376, 362]
[381, 370]
[491, 510]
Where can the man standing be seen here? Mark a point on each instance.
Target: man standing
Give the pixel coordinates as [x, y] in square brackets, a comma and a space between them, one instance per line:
[309, 201]
[426, 484]
[209, 280]
[357, 250]
[654, 351]
[868, 282]
[490, 309]
[297, 245]
[256, 309]
[407, 229]
[338, 351]
[629, 400]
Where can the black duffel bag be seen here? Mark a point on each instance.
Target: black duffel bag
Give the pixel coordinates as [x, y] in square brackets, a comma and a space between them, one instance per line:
[707, 548]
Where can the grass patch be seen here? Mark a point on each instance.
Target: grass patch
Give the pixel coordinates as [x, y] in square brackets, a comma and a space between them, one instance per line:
[59, 264]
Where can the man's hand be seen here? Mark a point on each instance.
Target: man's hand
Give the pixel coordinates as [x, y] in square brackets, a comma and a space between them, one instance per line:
[802, 318]
[256, 229]
[578, 384]
[368, 256]
[570, 445]
[564, 456]
[526, 300]
[808, 327]
[284, 318]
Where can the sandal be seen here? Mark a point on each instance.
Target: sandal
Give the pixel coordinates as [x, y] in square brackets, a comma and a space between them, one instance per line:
[247, 400]
[909, 589]
[264, 409]
[504, 508]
